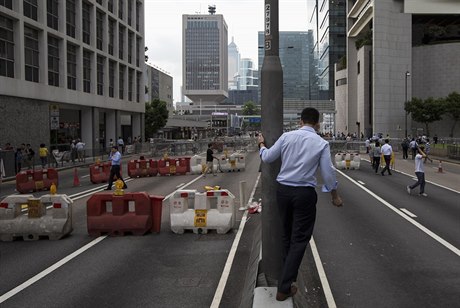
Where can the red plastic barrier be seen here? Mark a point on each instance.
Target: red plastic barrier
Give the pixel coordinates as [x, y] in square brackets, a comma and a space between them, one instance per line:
[99, 173]
[187, 160]
[181, 166]
[120, 220]
[157, 205]
[167, 167]
[140, 168]
[35, 180]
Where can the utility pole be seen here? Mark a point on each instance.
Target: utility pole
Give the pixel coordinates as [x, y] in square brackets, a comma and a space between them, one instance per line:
[272, 128]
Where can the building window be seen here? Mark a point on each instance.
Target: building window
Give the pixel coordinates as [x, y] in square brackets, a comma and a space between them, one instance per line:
[99, 1]
[121, 82]
[31, 54]
[70, 18]
[53, 61]
[121, 42]
[138, 86]
[52, 14]
[100, 75]
[120, 9]
[99, 29]
[138, 44]
[138, 12]
[111, 78]
[86, 71]
[111, 35]
[30, 9]
[86, 23]
[71, 67]
[7, 3]
[130, 84]
[359, 67]
[130, 11]
[6, 47]
[130, 48]
[110, 5]
[341, 82]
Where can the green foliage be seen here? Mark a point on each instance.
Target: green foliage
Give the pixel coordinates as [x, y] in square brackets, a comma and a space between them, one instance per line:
[250, 108]
[366, 39]
[452, 109]
[425, 111]
[156, 116]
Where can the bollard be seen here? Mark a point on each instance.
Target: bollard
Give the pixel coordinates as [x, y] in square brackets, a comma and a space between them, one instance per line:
[440, 167]
[243, 205]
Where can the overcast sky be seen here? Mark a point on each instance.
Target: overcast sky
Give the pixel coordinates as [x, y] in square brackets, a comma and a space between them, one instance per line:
[244, 18]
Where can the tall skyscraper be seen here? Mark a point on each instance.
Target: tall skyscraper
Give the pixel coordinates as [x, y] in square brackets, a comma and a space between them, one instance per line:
[294, 53]
[233, 65]
[205, 57]
[71, 69]
[327, 18]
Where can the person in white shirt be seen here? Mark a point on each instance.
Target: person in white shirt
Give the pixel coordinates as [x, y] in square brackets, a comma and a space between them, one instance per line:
[419, 172]
[386, 151]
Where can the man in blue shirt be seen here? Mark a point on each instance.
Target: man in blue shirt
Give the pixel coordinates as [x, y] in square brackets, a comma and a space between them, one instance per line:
[115, 157]
[302, 151]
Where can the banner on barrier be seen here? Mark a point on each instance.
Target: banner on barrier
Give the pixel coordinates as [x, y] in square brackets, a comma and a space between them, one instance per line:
[201, 218]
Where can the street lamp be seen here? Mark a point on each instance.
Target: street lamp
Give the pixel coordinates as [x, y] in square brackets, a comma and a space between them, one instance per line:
[405, 105]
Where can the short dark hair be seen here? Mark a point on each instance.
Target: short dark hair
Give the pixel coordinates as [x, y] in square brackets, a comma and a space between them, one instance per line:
[115, 147]
[310, 116]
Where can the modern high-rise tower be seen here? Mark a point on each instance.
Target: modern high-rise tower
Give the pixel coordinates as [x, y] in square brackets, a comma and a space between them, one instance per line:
[205, 57]
[233, 65]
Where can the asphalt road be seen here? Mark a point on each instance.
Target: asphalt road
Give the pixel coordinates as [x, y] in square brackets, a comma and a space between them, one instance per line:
[373, 253]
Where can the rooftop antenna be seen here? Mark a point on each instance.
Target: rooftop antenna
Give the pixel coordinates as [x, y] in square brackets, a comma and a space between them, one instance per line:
[212, 9]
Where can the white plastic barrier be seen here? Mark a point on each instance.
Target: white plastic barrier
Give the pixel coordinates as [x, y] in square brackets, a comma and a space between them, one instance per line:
[39, 221]
[224, 164]
[200, 212]
[196, 164]
[347, 160]
[240, 162]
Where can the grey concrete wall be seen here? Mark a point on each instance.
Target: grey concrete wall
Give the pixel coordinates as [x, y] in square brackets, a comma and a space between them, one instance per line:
[341, 105]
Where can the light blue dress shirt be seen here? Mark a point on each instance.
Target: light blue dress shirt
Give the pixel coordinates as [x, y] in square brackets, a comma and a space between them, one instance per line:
[302, 151]
[115, 157]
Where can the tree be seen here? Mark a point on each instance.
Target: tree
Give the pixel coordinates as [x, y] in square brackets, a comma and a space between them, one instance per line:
[156, 116]
[250, 108]
[452, 108]
[425, 111]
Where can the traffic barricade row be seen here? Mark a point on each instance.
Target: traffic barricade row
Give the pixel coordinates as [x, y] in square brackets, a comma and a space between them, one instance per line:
[53, 223]
[35, 180]
[131, 213]
[347, 160]
[100, 172]
[200, 212]
[142, 168]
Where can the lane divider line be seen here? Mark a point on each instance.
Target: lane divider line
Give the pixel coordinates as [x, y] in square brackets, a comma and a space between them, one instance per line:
[436, 237]
[50, 269]
[231, 256]
[408, 212]
[322, 275]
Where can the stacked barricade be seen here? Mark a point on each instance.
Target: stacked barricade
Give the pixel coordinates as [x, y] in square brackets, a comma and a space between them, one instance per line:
[100, 172]
[347, 160]
[167, 166]
[240, 162]
[200, 212]
[35, 180]
[142, 168]
[197, 164]
[136, 213]
[39, 221]
[224, 164]
[182, 165]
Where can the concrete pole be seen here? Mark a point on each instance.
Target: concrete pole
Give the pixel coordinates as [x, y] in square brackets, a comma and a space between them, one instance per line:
[272, 128]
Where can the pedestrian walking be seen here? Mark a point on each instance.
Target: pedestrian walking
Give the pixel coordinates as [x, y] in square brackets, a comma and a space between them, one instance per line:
[209, 161]
[80, 146]
[115, 157]
[376, 156]
[405, 148]
[18, 158]
[419, 172]
[73, 150]
[413, 147]
[121, 144]
[302, 151]
[43, 153]
[29, 156]
[387, 150]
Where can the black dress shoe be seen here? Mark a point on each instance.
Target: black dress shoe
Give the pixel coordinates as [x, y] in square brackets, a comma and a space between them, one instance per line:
[280, 296]
[125, 186]
[108, 189]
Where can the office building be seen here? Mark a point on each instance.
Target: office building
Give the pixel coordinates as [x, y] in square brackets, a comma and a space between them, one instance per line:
[71, 69]
[233, 65]
[205, 57]
[159, 85]
[397, 50]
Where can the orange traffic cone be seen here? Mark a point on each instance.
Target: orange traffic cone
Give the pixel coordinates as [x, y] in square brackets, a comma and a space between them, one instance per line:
[440, 167]
[76, 181]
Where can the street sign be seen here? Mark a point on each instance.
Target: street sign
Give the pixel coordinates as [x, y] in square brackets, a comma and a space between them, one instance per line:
[54, 123]
[54, 110]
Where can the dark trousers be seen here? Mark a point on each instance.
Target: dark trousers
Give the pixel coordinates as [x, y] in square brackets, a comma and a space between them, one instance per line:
[405, 153]
[115, 171]
[297, 209]
[376, 163]
[387, 159]
[420, 181]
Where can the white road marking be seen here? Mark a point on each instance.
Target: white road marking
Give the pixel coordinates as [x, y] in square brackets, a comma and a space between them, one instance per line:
[361, 182]
[85, 176]
[436, 237]
[180, 185]
[408, 212]
[231, 256]
[50, 269]
[322, 275]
